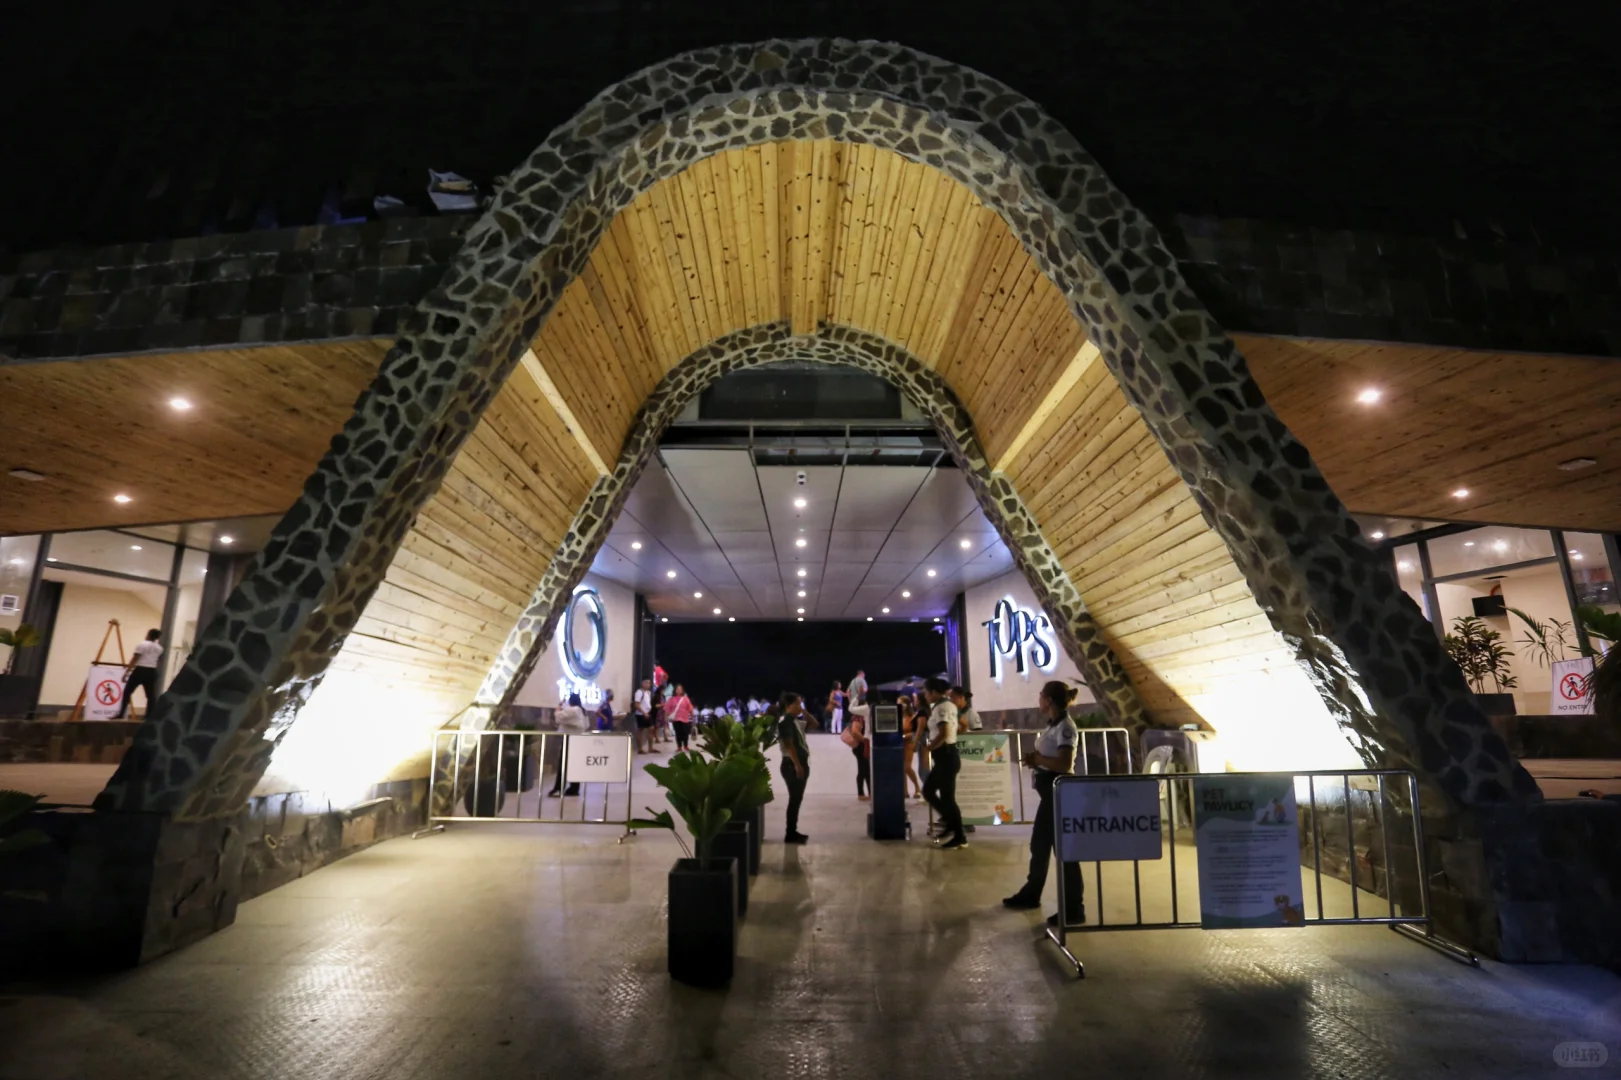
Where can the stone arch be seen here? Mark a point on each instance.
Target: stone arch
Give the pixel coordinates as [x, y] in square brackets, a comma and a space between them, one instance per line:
[1366, 648]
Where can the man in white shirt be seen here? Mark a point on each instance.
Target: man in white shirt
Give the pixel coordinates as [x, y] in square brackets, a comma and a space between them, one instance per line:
[142, 671]
[858, 688]
[940, 789]
[641, 714]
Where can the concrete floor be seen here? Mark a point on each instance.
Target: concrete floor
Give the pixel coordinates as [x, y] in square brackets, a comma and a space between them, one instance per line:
[538, 951]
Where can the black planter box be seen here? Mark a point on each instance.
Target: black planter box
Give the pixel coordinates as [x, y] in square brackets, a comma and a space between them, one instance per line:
[1495, 704]
[703, 921]
[734, 843]
[758, 836]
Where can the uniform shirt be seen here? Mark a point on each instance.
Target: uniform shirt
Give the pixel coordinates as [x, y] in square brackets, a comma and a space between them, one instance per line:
[147, 653]
[968, 720]
[789, 731]
[943, 718]
[642, 702]
[1051, 743]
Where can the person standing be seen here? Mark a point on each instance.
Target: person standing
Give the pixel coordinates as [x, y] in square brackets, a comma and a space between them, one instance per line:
[855, 737]
[967, 718]
[679, 710]
[1054, 756]
[142, 671]
[835, 708]
[641, 714]
[911, 730]
[605, 712]
[571, 721]
[858, 686]
[940, 789]
[795, 760]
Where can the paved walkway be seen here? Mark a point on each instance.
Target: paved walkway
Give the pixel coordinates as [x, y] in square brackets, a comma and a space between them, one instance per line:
[538, 951]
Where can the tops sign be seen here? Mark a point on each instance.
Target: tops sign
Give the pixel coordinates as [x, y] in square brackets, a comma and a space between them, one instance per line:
[1025, 637]
[583, 666]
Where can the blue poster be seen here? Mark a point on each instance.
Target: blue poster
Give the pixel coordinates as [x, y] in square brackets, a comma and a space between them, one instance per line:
[1248, 836]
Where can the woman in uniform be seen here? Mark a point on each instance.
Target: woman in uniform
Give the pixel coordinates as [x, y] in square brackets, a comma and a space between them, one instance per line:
[1054, 756]
[940, 789]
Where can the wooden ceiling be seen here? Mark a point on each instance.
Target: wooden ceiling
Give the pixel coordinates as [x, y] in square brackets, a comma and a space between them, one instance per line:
[1496, 424]
[260, 420]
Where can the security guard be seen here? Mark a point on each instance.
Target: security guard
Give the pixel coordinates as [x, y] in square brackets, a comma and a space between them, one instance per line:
[1053, 757]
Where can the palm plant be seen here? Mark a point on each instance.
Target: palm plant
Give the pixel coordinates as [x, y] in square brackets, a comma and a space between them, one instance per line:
[1546, 640]
[1605, 682]
[707, 793]
[1479, 651]
[23, 637]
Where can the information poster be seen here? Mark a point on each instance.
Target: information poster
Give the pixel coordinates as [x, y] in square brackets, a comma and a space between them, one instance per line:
[103, 691]
[1248, 837]
[597, 759]
[1108, 820]
[985, 784]
[1573, 687]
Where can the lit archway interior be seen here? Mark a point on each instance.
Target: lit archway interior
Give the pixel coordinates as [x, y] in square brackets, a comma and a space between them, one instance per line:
[858, 203]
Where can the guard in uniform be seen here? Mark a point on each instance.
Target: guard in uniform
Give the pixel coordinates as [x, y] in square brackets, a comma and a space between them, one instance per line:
[1054, 756]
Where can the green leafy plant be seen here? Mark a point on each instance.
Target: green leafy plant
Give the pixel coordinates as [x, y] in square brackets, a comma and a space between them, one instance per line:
[707, 793]
[1605, 682]
[1479, 652]
[1547, 641]
[23, 637]
[723, 736]
[14, 806]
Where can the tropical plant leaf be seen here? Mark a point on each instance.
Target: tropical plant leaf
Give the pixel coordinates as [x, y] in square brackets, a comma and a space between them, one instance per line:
[19, 842]
[15, 804]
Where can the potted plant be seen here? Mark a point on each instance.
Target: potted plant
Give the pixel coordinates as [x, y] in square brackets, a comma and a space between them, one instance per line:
[1605, 682]
[1481, 655]
[723, 737]
[16, 691]
[703, 885]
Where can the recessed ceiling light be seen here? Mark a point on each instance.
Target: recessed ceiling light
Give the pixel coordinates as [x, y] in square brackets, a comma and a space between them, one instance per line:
[1461, 493]
[731, 618]
[227, 539]
[801, 542]
[635, 545]
[965, 544]
[906, 594]
[179, 404]
[697, 596]
[1501, 545]
[1574, 554]
[19, 562]
[801, 594]
[886, 611]
[800, 619]
[1377, 535]
[669, 573]
[1468, 543]
[937, 618]
[802, 571]
[869, 618]
[717, 611]
[931, 573]
[665, 618]
[1572, 465]
[135, 547]
[801, 611]
[1369, 396]
[50, 558]
[121, 498]
[1404, 565]
[27, 474]
[800, 504]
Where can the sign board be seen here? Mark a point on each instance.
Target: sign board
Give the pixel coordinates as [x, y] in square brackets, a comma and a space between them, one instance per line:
[985, 784]
[104, 691]
[1024, 637]
[1248, 837]
[1573, 687]
[1107, 821]
[597, 759]
[10, 605]
[886, 719]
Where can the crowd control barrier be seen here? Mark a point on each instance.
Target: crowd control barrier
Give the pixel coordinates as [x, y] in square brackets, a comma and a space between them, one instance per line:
[1256, 860]
[498, 775]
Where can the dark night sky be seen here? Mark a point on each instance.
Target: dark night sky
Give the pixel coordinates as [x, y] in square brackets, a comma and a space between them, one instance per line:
[717, 661]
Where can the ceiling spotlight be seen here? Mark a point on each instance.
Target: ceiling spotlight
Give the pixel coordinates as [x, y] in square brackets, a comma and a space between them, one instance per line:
[800, 504]
[731, 618]
[931, 573]
[965, 544]
[227, 539]
[135, 547]
[937, 618]
[179, 404]
[1369, 396]
[886, 611]
[121, 498]
[1377, 535]
[717, 611]
[1468, 543]
[50, 558]
[801, 611]
[802, 571]
[1461, 493]
[666, 618]
[1572, 465]
[635, 545]
[1501, 545]
[697, 596]
[1574, 554]
[1404, 565]
[800, 619]
[669, 573]
[906, 594]
[27, 474]
[19, 562]
[802, 594]
[801, 542]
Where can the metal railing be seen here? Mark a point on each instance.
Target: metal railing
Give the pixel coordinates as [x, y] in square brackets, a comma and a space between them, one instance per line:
[1324, 791]
[498, 775]
[1094, 745]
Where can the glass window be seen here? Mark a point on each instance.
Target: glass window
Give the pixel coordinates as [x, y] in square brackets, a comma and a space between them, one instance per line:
[1410, 576]
[1591, 572]
[103, 549]
[1494, 597]
[188, 602]
[1493, 545]
[17, 555]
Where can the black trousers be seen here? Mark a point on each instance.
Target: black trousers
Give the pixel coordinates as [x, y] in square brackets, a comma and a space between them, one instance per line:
[940, 789]
[144, 677]
[796, 792]
[683, 732]
[863, 771]
[1041, 854]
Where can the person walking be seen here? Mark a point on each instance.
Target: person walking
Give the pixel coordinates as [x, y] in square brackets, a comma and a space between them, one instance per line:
[571, 721]
[641, 714]
[605, 712]
[855, 737]
[679, 710]
[142, 671]
[795, 761]
[1054, 756]
[835, 708]
[911, 729]
[940, 789]
[661, 714]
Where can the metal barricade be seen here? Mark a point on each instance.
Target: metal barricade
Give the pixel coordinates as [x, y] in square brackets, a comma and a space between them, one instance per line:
[499, 775]
[1382, 793]
[1093, 747]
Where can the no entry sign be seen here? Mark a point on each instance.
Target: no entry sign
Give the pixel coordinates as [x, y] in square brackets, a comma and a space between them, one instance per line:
[1572, 686]
[103, 691]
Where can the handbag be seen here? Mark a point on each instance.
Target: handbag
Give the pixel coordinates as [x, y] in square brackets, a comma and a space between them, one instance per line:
[850, 738]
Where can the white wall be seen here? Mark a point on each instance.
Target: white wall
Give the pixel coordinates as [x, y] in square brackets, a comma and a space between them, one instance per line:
[80, 624]
[620, 603]
[1540, 593]
[1012, 690]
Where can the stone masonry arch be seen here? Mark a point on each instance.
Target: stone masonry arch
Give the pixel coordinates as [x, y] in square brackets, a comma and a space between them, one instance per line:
[1366, 648]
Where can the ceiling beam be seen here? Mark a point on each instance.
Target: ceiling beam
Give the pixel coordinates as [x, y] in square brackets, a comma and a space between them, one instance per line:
[1078, 365]
[532, 365]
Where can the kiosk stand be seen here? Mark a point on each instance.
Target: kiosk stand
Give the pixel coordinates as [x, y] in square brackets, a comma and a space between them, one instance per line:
[886, 749]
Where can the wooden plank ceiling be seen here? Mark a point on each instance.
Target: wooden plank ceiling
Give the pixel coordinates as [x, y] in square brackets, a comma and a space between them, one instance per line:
[260, 420]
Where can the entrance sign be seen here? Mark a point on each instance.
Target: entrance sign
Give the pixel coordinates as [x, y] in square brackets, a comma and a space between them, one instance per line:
[1248, 838]
[597, 759]
[985, 784]
[1025, 637]
[1108, 822]
[1573, 687]
[103, 691]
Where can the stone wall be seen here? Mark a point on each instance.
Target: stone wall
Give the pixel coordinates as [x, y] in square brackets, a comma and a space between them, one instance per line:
[100, 742]
[323, 282]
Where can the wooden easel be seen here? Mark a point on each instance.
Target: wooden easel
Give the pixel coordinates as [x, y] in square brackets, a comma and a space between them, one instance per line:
[113, 631]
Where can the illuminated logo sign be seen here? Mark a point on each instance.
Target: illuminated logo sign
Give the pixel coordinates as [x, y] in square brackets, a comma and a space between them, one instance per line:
[1024, 636]
[583, 666]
